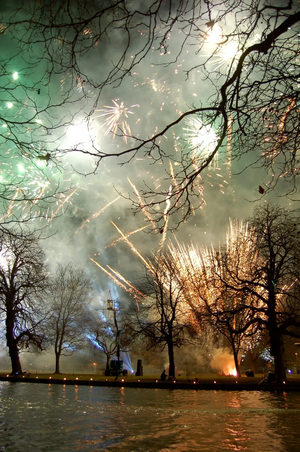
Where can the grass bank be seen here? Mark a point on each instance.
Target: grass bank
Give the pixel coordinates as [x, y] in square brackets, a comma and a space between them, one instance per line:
[206, 382]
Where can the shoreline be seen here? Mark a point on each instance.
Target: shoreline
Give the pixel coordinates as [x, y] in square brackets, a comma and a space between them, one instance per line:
[147, 382]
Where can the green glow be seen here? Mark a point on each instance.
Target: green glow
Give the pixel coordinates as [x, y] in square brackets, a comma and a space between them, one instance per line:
[39, 121]
[4, 125]
[21, 168]
[9, 104]
[15, 75]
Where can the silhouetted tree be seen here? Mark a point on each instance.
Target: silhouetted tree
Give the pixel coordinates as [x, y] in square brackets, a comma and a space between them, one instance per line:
[23, 287]
[269, 282]
[69, 310]
[162, 317]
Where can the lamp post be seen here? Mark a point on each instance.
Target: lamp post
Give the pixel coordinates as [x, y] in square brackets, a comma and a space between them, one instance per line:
[111, 306]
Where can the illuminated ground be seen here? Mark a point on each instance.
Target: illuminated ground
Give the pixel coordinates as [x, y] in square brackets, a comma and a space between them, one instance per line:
[152, 381]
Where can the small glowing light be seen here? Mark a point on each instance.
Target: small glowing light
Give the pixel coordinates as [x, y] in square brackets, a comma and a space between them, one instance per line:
[156, 381]
[91, 379]
[236, 381]
[21, 167]
[284, 382]
[4, 125]
[194, 382]
[174, 381]
[9, 104]
[215, 382]
[7, 375]
[105, 379]
[15, 75]
[50, 378]
[122, 379]
[64, 378]
[139, 381]
[39, 121]
[215, 35]
[36, 377]
[76, 378]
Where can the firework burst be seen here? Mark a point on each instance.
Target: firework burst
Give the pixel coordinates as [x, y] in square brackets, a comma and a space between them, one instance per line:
[116, 119]
[201, 139]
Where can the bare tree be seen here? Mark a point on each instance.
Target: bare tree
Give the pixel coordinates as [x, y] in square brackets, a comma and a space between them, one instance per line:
[103, 336]
[163, 317]
[109, 333]
[23, 286]
[244, 52]
[69, 311]
[268, 282]
[216, 307]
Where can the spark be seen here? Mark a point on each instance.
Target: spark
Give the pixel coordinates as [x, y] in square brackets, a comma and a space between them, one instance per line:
[116, 119]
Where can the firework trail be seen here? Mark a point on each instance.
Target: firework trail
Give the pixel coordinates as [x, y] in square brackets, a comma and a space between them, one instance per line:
[132, 247]
[120, 281]
[127, 235]
[95, 215]
[67, 199]
[166, 219]
[142, 205]
[229, 137]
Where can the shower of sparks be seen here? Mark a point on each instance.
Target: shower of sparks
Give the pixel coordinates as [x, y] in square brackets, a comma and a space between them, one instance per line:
[201, 139]
[116, 119]
[95, 215]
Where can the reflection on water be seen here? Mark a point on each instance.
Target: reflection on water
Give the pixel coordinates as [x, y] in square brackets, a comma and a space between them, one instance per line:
[37, 417]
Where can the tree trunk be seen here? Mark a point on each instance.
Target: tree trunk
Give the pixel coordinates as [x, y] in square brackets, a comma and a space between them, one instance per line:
[236, 361]
[57, 358]
[11, 343]
[171, 360]
[277, 353]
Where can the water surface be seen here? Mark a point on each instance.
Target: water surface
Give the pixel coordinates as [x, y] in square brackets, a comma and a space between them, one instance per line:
[38, 417]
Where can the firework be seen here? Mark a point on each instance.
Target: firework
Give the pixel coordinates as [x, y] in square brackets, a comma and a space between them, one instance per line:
[116, 119]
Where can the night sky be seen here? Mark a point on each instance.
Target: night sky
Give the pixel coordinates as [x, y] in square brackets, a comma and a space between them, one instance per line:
[155, 93]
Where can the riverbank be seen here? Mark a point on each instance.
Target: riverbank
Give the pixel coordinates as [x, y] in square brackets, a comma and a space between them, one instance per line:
[200, 382]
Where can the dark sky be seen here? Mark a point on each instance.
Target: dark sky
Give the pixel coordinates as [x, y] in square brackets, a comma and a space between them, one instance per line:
[155, 93]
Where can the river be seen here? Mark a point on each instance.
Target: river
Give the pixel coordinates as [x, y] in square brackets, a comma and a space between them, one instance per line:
[39, 417]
